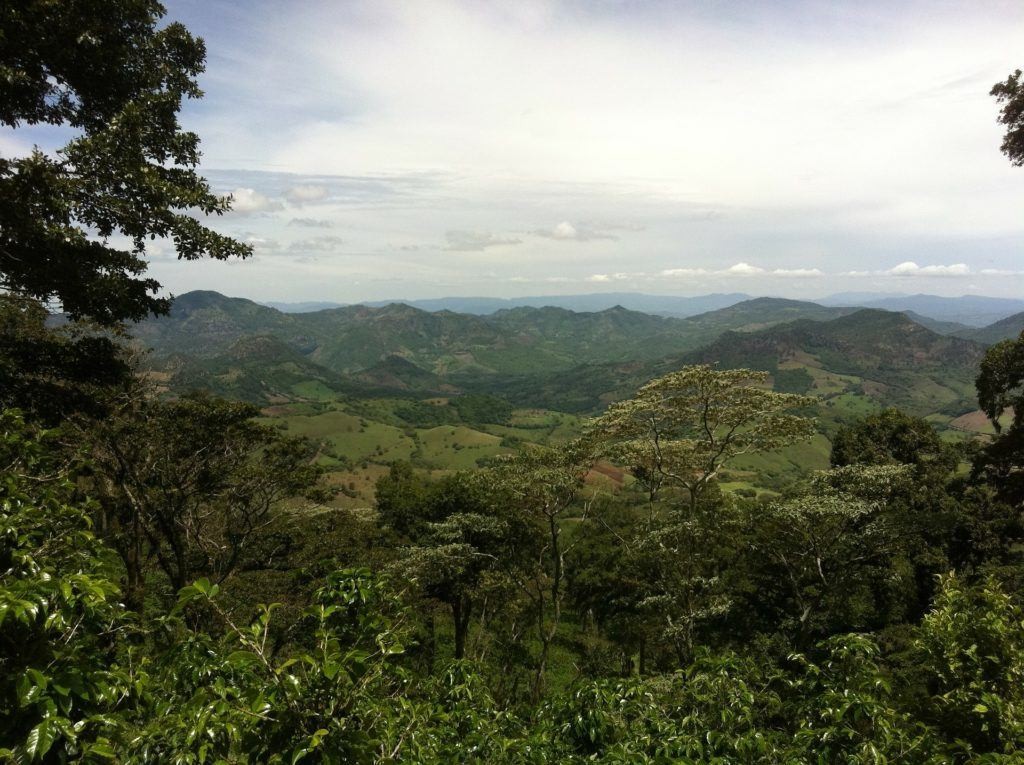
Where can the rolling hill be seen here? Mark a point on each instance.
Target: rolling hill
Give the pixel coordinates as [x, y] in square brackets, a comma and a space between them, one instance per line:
[855, 360]
[353, 340]
[859, 361]
[372, 385]
[1009, 328]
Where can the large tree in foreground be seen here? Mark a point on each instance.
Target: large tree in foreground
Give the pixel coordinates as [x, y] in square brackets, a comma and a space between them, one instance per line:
[676, 434]
[679, 430]
[74, 224]
[190, 484]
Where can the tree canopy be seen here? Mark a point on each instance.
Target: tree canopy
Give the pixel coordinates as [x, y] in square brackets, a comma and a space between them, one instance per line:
[75, 224]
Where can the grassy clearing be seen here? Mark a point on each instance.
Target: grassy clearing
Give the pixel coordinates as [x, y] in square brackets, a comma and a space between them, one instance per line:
[458, 447]
[783, 465]
[315, 390]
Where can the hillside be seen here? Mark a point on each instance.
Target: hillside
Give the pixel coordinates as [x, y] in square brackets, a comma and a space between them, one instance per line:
[1009, 328]
[256, 368]
[972, 310]
[858, 361]
[353, 340]
[939, 326]
[554, 359]
[206, 323]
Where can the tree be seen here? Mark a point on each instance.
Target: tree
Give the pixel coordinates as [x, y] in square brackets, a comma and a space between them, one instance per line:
[1000, 387]
[234, 700]
[892, 437]
[190, 483]
[53, 374]
[676, 434]
[110, 74]
[1010, 94]
[452, 564]
[61, 682]
[458, 530]
[680, 429]
[541, 485]
[972, 653]
[824, 546]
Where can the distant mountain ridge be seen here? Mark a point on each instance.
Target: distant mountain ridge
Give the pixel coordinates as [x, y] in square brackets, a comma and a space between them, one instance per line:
[553, 357]
[354, 338]
[867, 356]
[1009, 328]
[665, 305]
[942, 314]
[972, 310]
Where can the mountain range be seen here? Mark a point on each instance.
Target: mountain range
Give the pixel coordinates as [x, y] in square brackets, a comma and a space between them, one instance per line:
[558, 359]
[969, 310]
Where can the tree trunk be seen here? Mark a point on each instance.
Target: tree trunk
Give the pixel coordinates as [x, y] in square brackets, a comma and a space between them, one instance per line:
[462, 609]
[135, 579]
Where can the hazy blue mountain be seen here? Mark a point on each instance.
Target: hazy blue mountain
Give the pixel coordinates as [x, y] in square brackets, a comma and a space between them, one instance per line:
[1009, 328]
[858, 298]
[303, 307]
[664, 305]
[972, 310]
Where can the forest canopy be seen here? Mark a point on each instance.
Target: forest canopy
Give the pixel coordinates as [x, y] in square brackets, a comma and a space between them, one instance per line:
[178, 584]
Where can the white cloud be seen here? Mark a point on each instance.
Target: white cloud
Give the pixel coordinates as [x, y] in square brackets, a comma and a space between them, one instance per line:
[909, 268]
[247, 201]
[744, 269]
[262, 245]
[616, 277]
[566, 232]
[306, 192]
[476, 241]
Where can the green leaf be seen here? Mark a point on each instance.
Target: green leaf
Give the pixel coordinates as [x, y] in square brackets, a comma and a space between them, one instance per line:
[242, 659]
[40, 739]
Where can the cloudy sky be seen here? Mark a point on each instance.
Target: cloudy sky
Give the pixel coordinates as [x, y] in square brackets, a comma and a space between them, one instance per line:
[424, 148]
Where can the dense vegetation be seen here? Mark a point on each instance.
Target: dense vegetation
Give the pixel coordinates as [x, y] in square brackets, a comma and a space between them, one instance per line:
[183, 578]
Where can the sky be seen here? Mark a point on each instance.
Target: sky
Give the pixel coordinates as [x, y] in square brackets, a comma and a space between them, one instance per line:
[426, 148]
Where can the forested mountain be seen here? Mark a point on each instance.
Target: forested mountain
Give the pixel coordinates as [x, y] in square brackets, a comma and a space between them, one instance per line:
[514, 341]
[1009, 328]
[868, 355]
[558, 359]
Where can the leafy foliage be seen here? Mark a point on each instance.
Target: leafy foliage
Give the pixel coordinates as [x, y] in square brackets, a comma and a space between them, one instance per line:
[118, 80]
[1001, 389]
[61, 681]
[190, 483]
